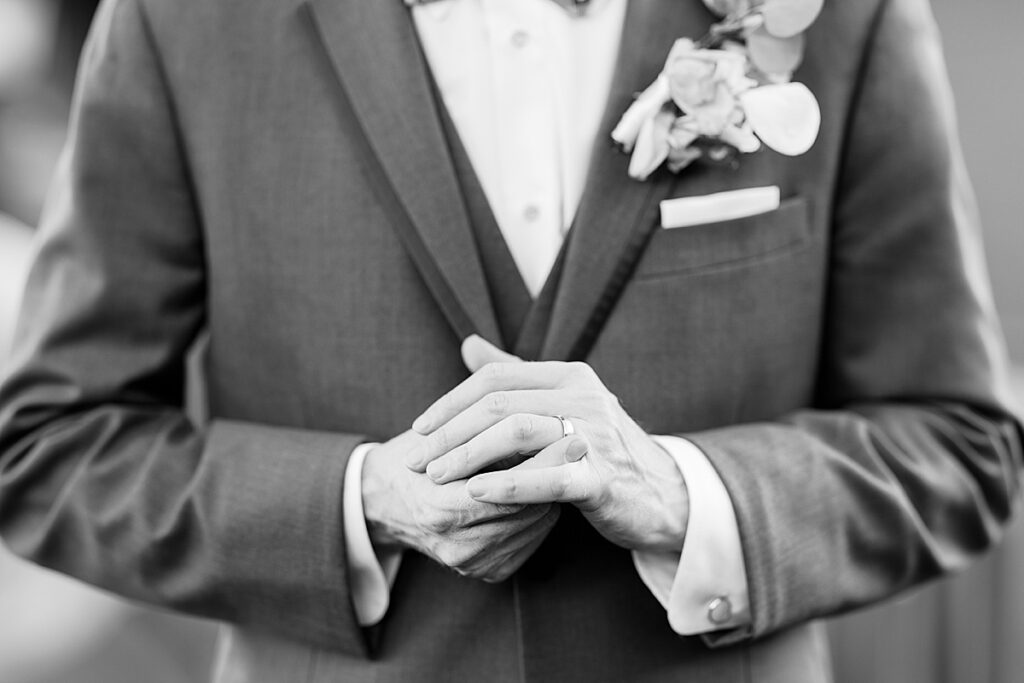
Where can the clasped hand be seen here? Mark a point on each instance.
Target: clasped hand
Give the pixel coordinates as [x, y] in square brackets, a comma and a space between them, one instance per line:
[494, 453]
[620, 478]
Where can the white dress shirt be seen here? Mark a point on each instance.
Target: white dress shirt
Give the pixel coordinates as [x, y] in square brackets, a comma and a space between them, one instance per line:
[526, 85]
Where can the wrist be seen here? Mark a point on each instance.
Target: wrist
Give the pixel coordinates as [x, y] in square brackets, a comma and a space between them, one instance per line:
[379, 498]
[671, 500]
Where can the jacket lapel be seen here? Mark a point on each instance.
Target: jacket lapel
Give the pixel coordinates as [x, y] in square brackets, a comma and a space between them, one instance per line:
[373, 47]
[617, 214]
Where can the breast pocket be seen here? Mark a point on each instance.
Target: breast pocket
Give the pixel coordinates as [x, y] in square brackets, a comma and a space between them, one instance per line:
[726, 244]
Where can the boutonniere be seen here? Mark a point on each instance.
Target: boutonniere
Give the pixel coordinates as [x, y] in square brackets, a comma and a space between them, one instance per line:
[729, 93]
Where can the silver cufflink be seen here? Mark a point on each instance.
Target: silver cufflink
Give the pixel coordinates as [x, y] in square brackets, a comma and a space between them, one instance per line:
[719, 610]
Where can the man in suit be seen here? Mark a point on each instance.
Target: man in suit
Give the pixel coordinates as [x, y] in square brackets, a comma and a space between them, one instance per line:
[362, 203]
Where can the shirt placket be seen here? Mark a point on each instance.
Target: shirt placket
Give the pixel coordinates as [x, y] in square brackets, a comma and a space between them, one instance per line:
[530, 213]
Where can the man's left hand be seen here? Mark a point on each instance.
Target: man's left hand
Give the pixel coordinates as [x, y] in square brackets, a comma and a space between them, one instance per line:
[626, 485]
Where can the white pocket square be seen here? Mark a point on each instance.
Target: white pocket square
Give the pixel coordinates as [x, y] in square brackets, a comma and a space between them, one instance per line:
[722, 206]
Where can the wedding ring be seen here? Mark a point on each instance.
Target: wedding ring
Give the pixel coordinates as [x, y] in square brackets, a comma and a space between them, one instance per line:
[567, 428]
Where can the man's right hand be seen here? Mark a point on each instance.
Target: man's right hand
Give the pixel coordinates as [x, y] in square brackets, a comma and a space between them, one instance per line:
[479, 540]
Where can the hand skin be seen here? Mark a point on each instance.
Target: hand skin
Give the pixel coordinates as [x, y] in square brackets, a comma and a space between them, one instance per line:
[476, 539]
[627, 485]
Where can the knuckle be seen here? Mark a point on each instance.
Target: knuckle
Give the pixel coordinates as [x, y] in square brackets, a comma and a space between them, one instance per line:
[461, 557]
[558, 487]
[498, 403]
[607, 402]
[446, 555]
[523, 428]
[494, 373]
[447, 405]
[595, 491]
[441, 439]
[434, 526]
[465, 458]
[582, 371]
[435, 522]
[462, 516]
[602, 403]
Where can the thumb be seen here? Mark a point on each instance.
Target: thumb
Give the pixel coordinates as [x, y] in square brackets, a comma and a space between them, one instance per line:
[478, 352]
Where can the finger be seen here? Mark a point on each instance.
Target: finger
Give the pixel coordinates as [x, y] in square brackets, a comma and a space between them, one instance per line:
[525, 544]
[496, 518]
[569, 449]
[496, 377]
[574, 482]
[485, 413]
[478, 352]
[522, 433]
[484, 551]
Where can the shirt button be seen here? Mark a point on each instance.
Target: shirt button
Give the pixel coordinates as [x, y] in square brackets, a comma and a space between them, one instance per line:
[719, 610]
[520, 38]
[531, 213]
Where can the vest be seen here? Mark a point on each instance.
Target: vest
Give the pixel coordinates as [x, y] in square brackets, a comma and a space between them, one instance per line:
[522, 320]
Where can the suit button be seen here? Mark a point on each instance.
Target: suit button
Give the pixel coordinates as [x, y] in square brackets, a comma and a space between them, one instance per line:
[719, 611]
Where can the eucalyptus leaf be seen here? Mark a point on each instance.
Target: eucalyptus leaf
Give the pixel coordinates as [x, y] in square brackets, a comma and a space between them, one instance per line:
[772, 55]
[786, 116]
[787, 18]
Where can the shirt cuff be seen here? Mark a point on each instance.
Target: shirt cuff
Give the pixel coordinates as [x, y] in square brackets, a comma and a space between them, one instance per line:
[371, 572]
[704, 588]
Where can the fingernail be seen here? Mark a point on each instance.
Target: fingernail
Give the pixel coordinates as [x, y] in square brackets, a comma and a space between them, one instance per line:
[414, 458]
[421, 424]
[576, 449]
[437, 469]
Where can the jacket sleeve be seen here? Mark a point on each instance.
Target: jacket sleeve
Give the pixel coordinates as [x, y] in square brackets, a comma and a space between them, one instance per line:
[911, 461]
[102, 476]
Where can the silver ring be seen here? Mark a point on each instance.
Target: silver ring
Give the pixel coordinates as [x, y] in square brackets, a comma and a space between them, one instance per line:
[567, 428]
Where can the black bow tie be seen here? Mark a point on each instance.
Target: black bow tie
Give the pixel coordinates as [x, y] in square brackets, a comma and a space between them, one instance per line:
[576, 8]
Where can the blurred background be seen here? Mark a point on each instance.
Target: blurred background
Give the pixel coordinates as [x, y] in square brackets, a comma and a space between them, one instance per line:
[969, 629]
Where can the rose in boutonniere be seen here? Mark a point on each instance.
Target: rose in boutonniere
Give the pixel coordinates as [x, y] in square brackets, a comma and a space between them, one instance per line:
[729, 93]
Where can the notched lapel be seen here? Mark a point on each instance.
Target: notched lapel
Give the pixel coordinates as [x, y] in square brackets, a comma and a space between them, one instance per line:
[373, 47]
[617, 213]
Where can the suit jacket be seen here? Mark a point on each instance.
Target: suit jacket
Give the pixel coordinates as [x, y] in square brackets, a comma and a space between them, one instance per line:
[276, 172]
